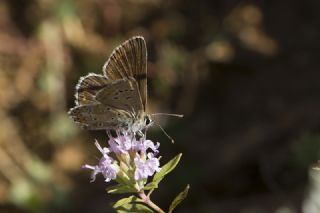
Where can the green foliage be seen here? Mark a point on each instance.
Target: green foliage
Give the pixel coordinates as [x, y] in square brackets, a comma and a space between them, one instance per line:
[131, 204]
[134, 207]
[126, 200]
[120, 189]
[151, 185]
[180, 197]
[166, 169]
[135, 204]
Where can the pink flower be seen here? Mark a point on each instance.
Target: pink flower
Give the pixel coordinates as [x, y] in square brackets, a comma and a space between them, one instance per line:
[121, 144]
[145, 168]
[143, 145]
[143, 164]
[107, 166]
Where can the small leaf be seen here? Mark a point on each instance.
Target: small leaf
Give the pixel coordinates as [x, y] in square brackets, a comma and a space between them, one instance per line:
[120, 189]
[180, 197]
[151, 185]
[134, 207]
[126, 200]
[166, 169]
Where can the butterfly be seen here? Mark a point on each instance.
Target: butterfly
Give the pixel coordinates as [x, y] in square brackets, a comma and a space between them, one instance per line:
[117, 99]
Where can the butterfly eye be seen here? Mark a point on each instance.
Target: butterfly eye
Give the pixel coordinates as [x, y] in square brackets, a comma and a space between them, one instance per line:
[147, 120]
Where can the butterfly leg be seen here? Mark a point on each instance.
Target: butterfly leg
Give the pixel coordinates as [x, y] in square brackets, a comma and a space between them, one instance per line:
[139, 133]
[110, 134]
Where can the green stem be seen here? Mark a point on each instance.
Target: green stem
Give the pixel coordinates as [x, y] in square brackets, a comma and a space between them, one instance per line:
[148, 202]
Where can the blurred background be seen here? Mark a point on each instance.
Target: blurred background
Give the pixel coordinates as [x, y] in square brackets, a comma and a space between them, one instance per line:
[244, 73]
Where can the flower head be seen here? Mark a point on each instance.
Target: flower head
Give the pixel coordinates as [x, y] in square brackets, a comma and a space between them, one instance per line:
[134, 158]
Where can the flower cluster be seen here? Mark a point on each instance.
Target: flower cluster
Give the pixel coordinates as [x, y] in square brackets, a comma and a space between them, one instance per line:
[127, 159]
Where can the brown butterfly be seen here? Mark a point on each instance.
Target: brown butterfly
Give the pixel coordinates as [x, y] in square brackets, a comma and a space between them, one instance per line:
[118, 98]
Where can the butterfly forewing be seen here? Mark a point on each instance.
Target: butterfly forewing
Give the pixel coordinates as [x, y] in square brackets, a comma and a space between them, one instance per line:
[130, 60]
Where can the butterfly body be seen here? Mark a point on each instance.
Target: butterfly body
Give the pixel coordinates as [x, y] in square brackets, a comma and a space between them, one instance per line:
[117, 99]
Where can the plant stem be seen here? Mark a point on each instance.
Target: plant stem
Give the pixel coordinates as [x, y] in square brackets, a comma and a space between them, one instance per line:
[148, 202]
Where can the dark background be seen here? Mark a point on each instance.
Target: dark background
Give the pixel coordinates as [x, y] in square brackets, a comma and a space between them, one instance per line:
[244, 73]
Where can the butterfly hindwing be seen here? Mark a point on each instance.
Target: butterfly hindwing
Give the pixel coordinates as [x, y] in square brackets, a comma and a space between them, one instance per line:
[130, 60]
[87, 88]
[121, 94]
[99, 116]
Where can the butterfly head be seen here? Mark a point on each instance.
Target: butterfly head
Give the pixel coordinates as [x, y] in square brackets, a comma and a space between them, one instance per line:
[147, 120]
[141, 122]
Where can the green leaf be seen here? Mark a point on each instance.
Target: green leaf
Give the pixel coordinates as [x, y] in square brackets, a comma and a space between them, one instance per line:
[126, 200]
[166, 169]
[134, 207]
[151, 185]
[120, 189]
[180, 197]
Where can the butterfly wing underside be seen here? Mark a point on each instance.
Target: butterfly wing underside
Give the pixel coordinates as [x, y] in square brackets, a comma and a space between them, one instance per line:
[121, 94]
[114, 99]
[98, 116]
[104, 104]
[88, 87]
[129, 60]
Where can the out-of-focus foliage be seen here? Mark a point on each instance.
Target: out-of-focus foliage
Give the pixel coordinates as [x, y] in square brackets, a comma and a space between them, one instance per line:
[245, 74]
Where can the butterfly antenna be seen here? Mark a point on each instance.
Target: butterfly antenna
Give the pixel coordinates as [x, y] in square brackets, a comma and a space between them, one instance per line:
[170, 138]
[168, 114]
